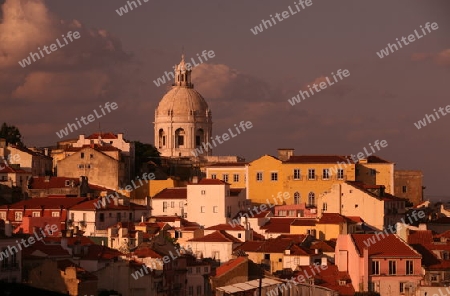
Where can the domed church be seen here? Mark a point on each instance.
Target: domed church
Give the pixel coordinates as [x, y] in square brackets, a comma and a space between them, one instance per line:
[183, 119]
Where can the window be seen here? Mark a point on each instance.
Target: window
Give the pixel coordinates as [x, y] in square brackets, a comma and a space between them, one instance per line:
[199, 290]
[259, 176]
[296, 174]
[119, 217]
[274, 176]
[5, 261]
[102, 217]
[164, 206]
[282, 213]
[18, 216]
[409, 267]
[225, 177]
[326, 174]
[91, 155]
[197, 141]
[55, 214]
[239, 235]
[82, 155]
[311, 199]
[311, 174]
[292, 213]
[296, 198]
[202, 209]
[375, 267]
[3, 215]
[81, 166]
[14, 259]
[203, 192]
[392, 267]
[205, 269]
[181, 205]
[403, 286]
[215, 209]
[340, 174]
[216, 255]
[191, 291]
[197, 270]
[172, 204]
[190, 270]
[324, 207]
[404, 190]
[213, 176]
[373, 172]
[67, 183]
[236, 178]
[180, 140]
[266, 256]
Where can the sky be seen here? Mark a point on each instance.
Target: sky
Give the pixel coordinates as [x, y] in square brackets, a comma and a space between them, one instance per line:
[251, 77]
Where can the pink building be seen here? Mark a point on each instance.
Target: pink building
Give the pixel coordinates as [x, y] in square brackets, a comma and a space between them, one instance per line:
[379, 262]
[298, 210]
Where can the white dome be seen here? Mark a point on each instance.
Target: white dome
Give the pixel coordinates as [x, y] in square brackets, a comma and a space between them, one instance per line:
[181, 101]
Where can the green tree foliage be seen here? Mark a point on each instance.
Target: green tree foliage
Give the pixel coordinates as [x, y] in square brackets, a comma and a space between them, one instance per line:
[11, 134]
[145, 153]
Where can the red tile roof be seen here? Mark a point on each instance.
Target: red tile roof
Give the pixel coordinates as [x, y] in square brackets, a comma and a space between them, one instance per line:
[91, 205]
[325, 159]
[251, 214]
[226, 226]
[53, 203]
[420, 237]
[228, 164]
[273, 245]
[172, 193]
[230, 265]
[278, 225]
[332, 218]
[10, 170]
[304, 222]
[49, 250]
[217, 236]
[107, 135]
[324, 246]
[389, 246]
[210, 182]
[146, 251]
[328, 276]
[52, 182]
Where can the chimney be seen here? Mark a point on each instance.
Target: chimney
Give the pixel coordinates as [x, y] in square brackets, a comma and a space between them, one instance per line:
[46, 151]
[324, 261]
[195, 179]
[81, 139]
[120, 136]
[285, 153]
[116, 201]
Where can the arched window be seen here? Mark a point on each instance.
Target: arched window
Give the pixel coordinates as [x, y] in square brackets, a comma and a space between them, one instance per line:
[311, 199]
[162, 138]
[179, 138]
[199, 137]
[296, 198]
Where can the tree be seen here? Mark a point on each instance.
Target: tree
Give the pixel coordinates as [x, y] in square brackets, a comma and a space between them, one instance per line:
[145, 153]
[11, 134]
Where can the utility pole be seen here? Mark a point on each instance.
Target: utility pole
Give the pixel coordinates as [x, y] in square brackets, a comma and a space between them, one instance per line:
[260, 279]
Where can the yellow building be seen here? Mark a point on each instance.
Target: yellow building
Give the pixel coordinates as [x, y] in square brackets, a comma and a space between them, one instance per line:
[234, 173]
[376, 171]
[304, 177]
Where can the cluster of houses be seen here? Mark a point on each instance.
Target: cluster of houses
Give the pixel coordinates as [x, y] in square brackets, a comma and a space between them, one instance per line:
[288, 225]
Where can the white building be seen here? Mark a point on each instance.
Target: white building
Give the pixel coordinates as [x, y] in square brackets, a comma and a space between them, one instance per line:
[183, 119]
[94, 216]
[211, 202]
[170, 202]
[218, 245]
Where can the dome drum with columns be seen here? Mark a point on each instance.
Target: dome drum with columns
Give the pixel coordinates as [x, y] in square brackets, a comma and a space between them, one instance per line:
[183, 119]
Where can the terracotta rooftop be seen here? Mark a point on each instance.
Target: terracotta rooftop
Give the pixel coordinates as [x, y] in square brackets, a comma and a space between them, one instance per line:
[172, 193]
[91, 205]
[146, 251]
[10, 170]
[229, 164]
[107, 135]
[322, 159]
[251, 214]
[333, 218]
[47, 202]
[273, 245]
[230, 265]
[389, 246]
[226, 226]
[304, 222]
[53, 182]
[210, 182]
[217, 236]
[278, 225]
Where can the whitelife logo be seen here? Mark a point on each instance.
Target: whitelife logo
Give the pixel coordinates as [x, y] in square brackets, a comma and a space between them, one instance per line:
[90, 118]
[411, 38]
[27, 61]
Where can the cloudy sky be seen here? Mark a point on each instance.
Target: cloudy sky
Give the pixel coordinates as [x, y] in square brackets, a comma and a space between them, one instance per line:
[251, 77]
